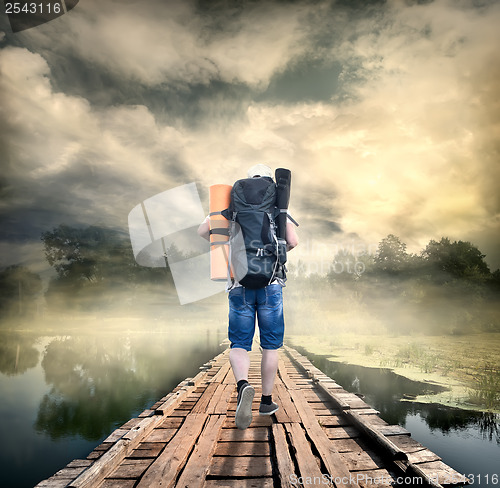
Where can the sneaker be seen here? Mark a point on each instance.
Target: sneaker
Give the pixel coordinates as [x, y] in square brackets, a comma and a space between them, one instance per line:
[265, 409]
[243, 416]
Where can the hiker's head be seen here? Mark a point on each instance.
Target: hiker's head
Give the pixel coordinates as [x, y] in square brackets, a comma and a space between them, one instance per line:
[260, 170]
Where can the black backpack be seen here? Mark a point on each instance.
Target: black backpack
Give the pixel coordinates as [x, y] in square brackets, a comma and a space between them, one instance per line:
[257, 256]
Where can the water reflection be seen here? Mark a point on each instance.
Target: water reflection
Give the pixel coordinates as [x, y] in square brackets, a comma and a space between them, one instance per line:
[447, 420]
[97, 381]
[384, 390]
[17, 354]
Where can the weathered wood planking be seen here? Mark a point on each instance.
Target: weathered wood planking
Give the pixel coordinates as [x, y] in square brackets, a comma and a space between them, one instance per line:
[321, 435]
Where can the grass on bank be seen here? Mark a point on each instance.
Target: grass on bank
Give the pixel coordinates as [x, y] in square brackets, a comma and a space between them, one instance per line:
[468, 365]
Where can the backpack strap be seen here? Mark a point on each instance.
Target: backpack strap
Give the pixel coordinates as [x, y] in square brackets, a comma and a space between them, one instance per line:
[228, 258]
[222, 231]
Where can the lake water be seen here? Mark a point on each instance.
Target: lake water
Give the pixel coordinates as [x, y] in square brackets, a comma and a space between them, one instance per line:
[466, 440]
[60, 396]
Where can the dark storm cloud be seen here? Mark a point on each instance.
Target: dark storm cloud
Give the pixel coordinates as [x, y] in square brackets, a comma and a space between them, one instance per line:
[386, 112]
[307, 80]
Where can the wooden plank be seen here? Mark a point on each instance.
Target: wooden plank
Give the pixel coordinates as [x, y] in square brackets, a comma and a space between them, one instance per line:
[116, 434]
[171, 423]
[221, 393]
[131, 468]
[406, 443]
[387, 445]
[165, 468]
[241, 467]
[161, 435]
[94, 455]
[423, 456]
[307, 462]
[179, 413]
[53, 482]
[147, 450]
[222, 404]
[337, 399]
[376, 421]
[346, 445]
[78, 463]
[106, 463]
[330, 457]
[322, 410]
[117, 484]
[328, 382]
[367, 411]
[380, 478]
[391, 430]
[130, 424]
[285, 378]
[251, 434]
[199, 462]
[189, 403]
[202, 404]
[70, 473]
[363, 460]
[104, 446]
[314, 395]
[221, 374]
[436, 474]
[288, 411]
[242, 449]
[437, 471]
[341, 432]
[241, 483]
[257, 421]
[332, 421]
[285, 464]
[173, 400]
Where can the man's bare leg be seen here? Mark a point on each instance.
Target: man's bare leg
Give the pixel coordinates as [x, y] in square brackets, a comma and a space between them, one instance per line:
[268, 368]
[240, 362]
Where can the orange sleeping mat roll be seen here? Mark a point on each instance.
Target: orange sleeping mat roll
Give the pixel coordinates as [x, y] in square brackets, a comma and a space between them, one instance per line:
[219, 239]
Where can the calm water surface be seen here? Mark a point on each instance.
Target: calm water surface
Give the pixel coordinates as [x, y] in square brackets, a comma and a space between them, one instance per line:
[466, 440]
[60, 396]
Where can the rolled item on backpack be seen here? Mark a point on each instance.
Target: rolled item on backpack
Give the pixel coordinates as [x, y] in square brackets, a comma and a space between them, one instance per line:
[219, 199]
[283, 179]
[283, 183]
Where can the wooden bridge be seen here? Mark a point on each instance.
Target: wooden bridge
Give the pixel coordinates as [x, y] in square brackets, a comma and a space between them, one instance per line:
[320, 436]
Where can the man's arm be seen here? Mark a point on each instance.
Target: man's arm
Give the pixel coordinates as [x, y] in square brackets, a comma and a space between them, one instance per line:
[204, 229]
[291, 236]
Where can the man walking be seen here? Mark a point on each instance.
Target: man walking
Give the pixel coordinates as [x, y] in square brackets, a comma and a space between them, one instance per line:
[245, 305]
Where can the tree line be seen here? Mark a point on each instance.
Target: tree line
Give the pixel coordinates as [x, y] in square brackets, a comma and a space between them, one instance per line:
[89, 263]
[445, 288]
[440, 262]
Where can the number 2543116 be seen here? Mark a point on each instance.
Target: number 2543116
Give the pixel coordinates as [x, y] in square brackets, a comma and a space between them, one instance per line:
[33, 8]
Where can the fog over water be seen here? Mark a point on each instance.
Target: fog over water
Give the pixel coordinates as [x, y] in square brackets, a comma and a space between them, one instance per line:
[387, 114]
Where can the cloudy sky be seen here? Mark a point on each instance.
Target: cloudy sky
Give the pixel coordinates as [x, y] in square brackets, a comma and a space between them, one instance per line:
[387, 113]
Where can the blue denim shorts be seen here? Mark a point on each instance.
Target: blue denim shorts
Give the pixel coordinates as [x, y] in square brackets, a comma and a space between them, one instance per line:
[265, 303]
